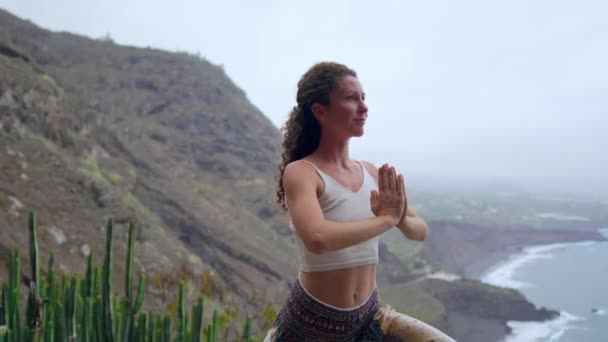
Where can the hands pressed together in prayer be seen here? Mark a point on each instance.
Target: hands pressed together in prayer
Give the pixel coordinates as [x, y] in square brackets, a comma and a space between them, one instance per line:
[390, 198]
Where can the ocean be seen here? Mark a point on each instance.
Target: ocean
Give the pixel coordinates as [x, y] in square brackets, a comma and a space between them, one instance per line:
[569, 277]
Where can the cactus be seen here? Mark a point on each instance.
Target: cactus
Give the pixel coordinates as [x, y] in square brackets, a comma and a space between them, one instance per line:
[3, 303]
[246, 331]
[76, 308]
[132, 303]
[197, 320]
[13, 298]
[166, 332]
[181, 314]
[34, 258]
[70, 298]
[34, 303]
[212, 329]
[106, 291]
[87, 289]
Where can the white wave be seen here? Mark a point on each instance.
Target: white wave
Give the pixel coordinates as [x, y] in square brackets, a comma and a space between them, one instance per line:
[554, 246]
[563, 217]
[549, 331]
[444, 276]
[600, 312]
[504, 274]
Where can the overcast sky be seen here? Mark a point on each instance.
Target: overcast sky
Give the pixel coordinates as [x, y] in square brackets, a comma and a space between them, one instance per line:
[513, 91]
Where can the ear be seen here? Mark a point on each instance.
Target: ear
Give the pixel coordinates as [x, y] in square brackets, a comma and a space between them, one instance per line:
[318, 111]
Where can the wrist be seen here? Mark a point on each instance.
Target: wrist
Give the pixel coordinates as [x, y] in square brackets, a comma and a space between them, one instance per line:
[390, 220]
[403, 223]
[403, 219]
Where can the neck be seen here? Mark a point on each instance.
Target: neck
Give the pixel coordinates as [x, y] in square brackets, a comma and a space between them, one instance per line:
[333, 151]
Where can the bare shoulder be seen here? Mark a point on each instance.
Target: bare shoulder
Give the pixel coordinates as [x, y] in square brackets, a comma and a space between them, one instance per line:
[301, 184]
[373, 169]
[298, 173]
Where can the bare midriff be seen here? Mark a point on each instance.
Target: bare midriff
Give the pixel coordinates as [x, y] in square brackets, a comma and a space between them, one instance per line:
[344, 288]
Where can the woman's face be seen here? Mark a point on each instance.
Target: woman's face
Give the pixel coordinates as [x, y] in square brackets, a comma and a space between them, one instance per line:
[346, 113]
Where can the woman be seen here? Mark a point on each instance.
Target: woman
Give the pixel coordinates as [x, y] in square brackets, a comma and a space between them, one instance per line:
[338, 207]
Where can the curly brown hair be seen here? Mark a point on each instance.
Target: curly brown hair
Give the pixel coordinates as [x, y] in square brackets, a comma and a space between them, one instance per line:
[302, 132]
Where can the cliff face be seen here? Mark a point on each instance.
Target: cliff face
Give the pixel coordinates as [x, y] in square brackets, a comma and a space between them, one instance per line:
[89, 129]
[478, 312]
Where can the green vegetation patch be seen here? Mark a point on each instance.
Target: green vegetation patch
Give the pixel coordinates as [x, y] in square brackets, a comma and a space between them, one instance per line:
[90, 167]
[414, 301]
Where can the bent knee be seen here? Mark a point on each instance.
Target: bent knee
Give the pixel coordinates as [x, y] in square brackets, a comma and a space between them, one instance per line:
[408, 328]
[270, 335]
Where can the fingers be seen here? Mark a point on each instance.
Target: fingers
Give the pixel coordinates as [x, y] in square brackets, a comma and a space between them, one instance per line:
[374, 200]
[392, 179]
[383, 184]
[374, 197]
[387, 179]
[401, 186]
[390, 197]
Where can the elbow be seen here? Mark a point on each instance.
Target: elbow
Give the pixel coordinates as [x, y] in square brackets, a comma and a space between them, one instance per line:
[419, 237]
[419, 233]
[415, 230]
[316, 245]
[416, 236]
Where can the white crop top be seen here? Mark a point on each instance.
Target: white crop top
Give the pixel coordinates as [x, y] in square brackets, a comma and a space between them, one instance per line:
[341, 204]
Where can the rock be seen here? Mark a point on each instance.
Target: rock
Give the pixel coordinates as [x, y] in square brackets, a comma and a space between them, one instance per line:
[24, 176]
[15, 202]
[85, 250]
[15, 206]
[8, 100]
[63, 268]
[58, 235]
[102, 194]
[193, 259]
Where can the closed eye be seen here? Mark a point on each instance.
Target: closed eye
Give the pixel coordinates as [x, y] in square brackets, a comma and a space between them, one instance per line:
[356, 97]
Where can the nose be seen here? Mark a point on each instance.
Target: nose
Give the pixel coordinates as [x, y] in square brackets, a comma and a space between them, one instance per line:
[362, 107]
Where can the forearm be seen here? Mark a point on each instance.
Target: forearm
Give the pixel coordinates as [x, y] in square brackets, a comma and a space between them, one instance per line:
[413, 228]
[334, 235]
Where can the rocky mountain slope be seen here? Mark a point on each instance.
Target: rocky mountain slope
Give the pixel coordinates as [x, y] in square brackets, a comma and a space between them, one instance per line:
[89, 129]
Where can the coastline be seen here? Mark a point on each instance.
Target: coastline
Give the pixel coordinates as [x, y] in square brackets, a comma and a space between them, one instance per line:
[475, 253]
[463, 254]
[481, 268]
[501, 274]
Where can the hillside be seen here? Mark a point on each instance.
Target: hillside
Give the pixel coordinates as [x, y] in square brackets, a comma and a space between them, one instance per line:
[90, 129]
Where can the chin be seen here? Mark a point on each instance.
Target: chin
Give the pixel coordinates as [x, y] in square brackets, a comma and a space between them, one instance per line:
[358, 133]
